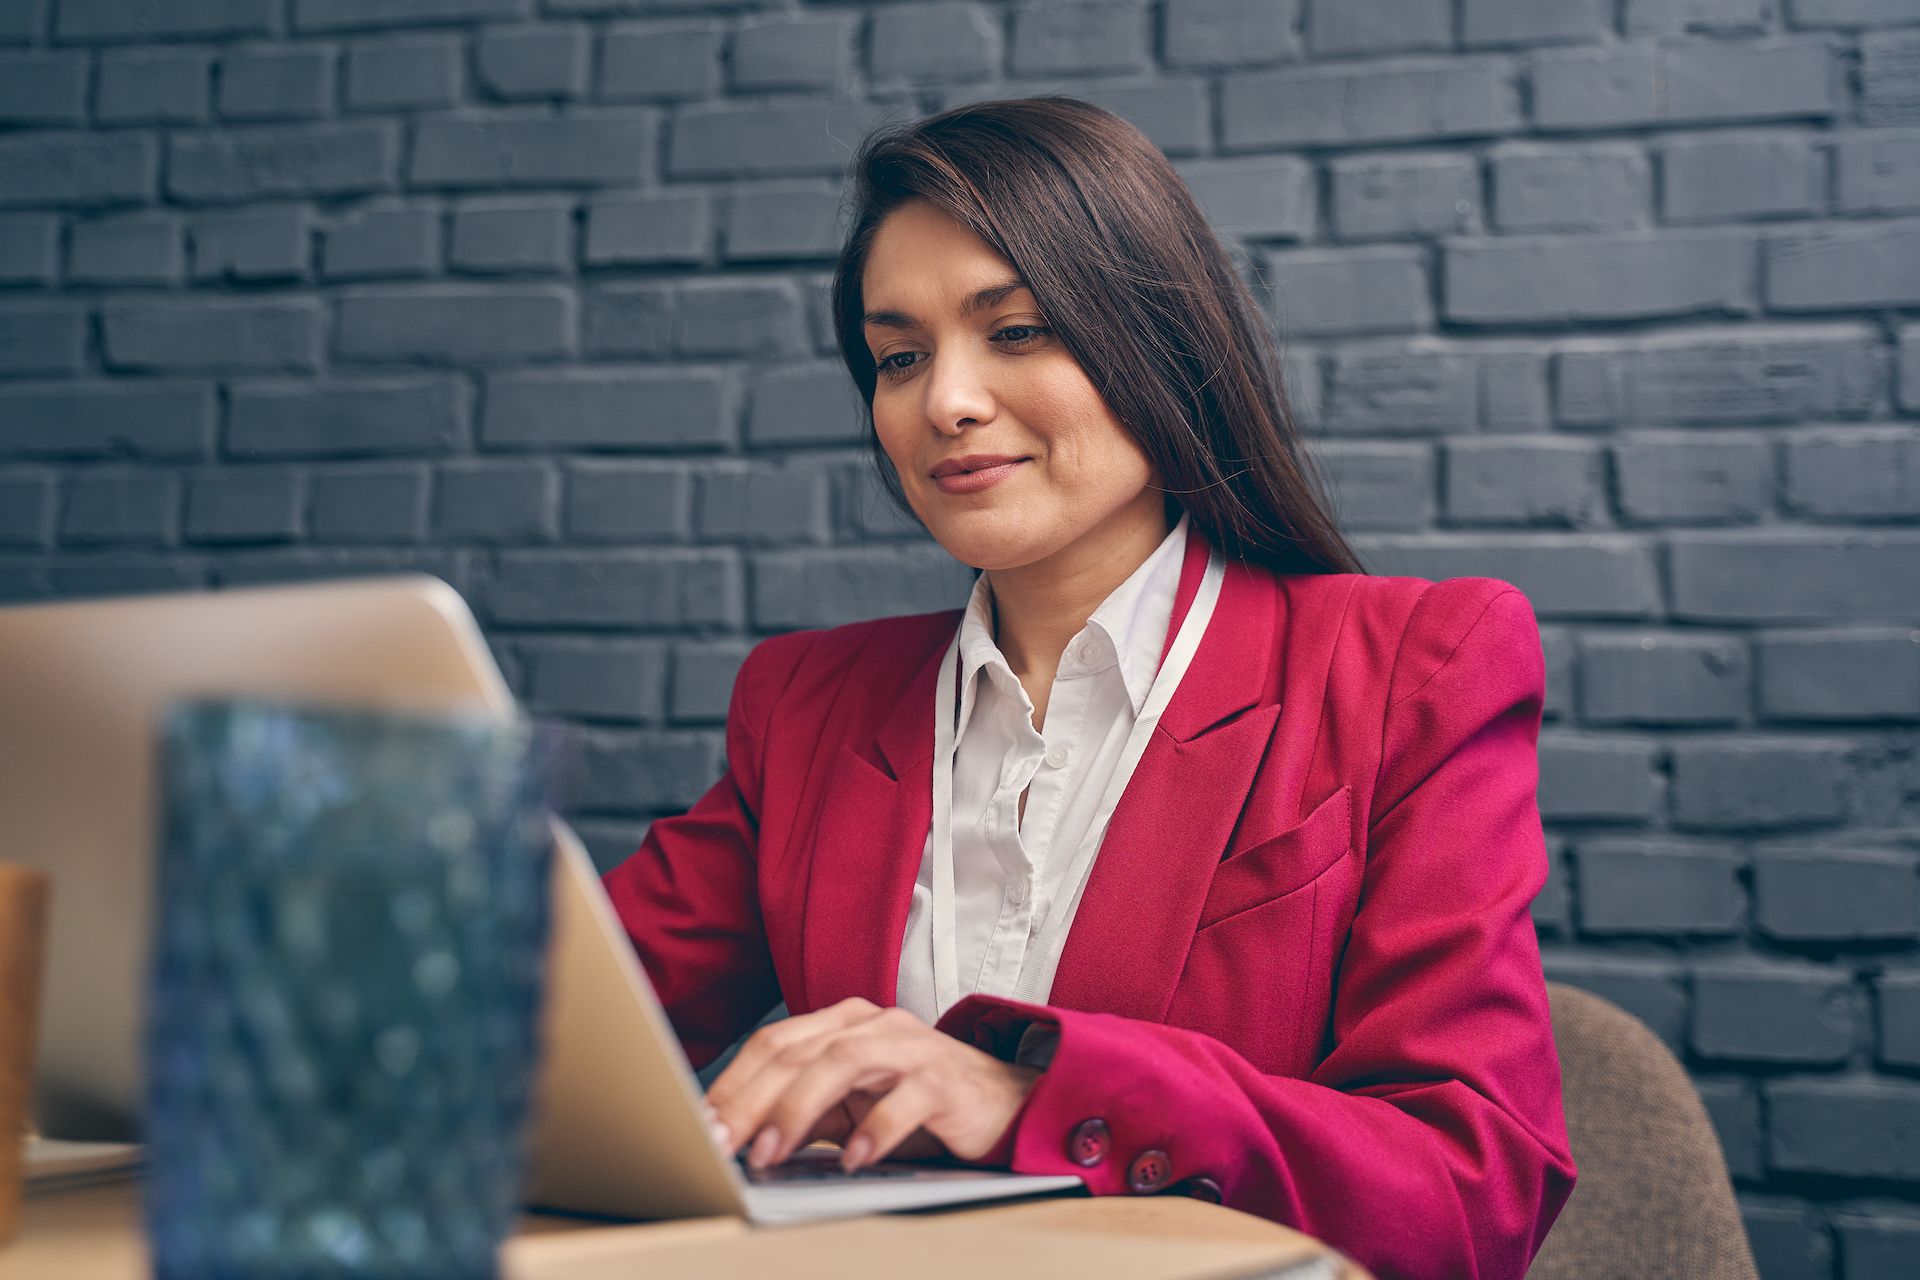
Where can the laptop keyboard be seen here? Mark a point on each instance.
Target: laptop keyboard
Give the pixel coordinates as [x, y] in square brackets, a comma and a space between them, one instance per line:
[821, 1166]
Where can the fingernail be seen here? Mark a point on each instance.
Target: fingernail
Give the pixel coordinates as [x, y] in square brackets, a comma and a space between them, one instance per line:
[763, 1148]
[722, 1136]
[858, 1152]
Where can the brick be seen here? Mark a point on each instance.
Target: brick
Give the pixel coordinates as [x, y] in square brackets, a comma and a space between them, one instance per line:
[1721, 177]
[644, 230]
[1486, 24]
[22, 21]
[1794, 577]
[1679, 17]
[262, 568]
[703, 676]
[829, 587]
[1321, 292]
[335, 15]
[1080, 37]
[797, 53]
[513, 235]
[29, 248]
[26, 508]
[139, 20]
[1877, 172]
[1840, 675]
[1736, 378]
[1378, 486]
[497, 502]
[1898, 1021]
[1650, 992]
[1550, 907]
[627, 502]
[1402, 194]
[291, 82]
[1849, 13]
[1561, 656]
[632, 320]
[1266, 199]
[39, 88]
[1877, 265]
[244, 505]
[1774, 1014]
[1596, 779]
[804, 404]
[596, 679]
[1591, 576]
[1662, 679]
[1878, 1248]
[1457, 98]
[1734, 1109]
[759, 140]
[106, 420]
[363, 418]
[783, 222]
[1697, 81]
[254, 164]
[1838, 897]
[132, 248]
[610, 842]
[613, 409]
[1742, 784]
[864, 511]
[457, 324]
[1682, 479]
[930, 43]
[382, 241]
[1599, 187]
[1410, 388]
[43, 339]
[1229, 33]
[398, 72]
[1890, 78]
[517, 63]
[1513, 389]
[725, 318]
[76, 169]
[1657, 889]
[762, 505]
[94, 575]
[586, 151]
[649, 771]
[254, 244]
[368, 504]
[624, 589]
[121, 506]
[1849, 1128]
[213, 333]
[1385, 26]
[1787, 1243]
[153, 86]
[1854, 474]
[1174, 114]
[1910, 368]
[1542, 482]
[659, 62]
[1559, 279]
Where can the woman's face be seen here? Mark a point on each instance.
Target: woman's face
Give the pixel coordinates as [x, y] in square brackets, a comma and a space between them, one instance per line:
[1003, 446]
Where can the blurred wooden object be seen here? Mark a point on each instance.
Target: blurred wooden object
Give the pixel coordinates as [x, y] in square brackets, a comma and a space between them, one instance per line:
[23, 949]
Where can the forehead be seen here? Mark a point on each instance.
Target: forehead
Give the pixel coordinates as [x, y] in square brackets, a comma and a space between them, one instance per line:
[922, 258]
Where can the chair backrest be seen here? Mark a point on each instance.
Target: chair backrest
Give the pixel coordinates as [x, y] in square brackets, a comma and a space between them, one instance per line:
[1653, 1200]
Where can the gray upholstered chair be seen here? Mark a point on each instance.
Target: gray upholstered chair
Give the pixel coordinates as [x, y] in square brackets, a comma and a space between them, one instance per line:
[1653, 1200]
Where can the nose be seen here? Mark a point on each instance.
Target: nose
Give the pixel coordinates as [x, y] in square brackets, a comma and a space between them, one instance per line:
[957, 393]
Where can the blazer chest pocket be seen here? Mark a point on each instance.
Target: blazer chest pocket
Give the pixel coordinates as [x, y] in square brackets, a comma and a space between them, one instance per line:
[1281, 864]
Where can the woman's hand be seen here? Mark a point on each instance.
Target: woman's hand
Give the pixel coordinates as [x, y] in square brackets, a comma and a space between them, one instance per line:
[870, 1079]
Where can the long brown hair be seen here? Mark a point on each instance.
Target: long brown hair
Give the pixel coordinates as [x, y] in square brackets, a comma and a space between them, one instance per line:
[1131, 279]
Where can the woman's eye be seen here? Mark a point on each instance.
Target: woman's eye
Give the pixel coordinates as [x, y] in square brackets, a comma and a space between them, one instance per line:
[1015, 335]
[898, 362]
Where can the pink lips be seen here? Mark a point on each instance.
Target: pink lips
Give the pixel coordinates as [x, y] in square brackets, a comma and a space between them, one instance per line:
[974, 472]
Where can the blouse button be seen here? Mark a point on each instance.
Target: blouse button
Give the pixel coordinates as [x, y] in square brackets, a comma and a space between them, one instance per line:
[1057, 756]
[1088, 653]
[1087, 1144]
[1203, 1188]
[1149, 1172]
[1017, 890]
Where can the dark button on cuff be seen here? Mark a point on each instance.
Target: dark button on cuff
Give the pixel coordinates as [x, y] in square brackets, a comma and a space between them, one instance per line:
[1087, 1144]
[1149, 1172]
[1203, 1189]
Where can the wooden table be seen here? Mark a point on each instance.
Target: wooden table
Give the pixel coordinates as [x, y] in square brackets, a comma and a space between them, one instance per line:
[94, 1233]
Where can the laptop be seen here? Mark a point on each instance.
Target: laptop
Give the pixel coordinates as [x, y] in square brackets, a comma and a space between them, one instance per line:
[618, 1130]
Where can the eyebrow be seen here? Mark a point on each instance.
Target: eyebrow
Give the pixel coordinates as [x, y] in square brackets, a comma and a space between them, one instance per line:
[990, 296]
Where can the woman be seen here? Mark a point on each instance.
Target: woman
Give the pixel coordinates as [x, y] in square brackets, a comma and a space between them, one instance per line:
[1187, 857]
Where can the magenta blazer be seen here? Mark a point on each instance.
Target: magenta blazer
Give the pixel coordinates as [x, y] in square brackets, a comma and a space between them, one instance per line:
[1303, 977]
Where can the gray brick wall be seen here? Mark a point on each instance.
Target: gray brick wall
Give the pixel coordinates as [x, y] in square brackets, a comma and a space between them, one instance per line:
[1619, 301]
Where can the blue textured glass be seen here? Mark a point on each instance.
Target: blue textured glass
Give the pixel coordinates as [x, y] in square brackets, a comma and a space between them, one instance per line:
[342, 1012]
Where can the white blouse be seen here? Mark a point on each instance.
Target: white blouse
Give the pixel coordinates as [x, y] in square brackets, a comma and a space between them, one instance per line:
[1008, 870]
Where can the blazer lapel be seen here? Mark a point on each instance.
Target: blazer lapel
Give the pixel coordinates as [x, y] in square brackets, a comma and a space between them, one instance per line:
[1142, 903]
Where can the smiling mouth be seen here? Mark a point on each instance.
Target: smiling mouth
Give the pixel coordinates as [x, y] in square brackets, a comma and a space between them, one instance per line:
[975, 472]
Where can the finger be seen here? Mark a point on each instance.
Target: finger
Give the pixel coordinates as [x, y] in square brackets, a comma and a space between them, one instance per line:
[742, 1093]
[868, 1061]
[891, 1121]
